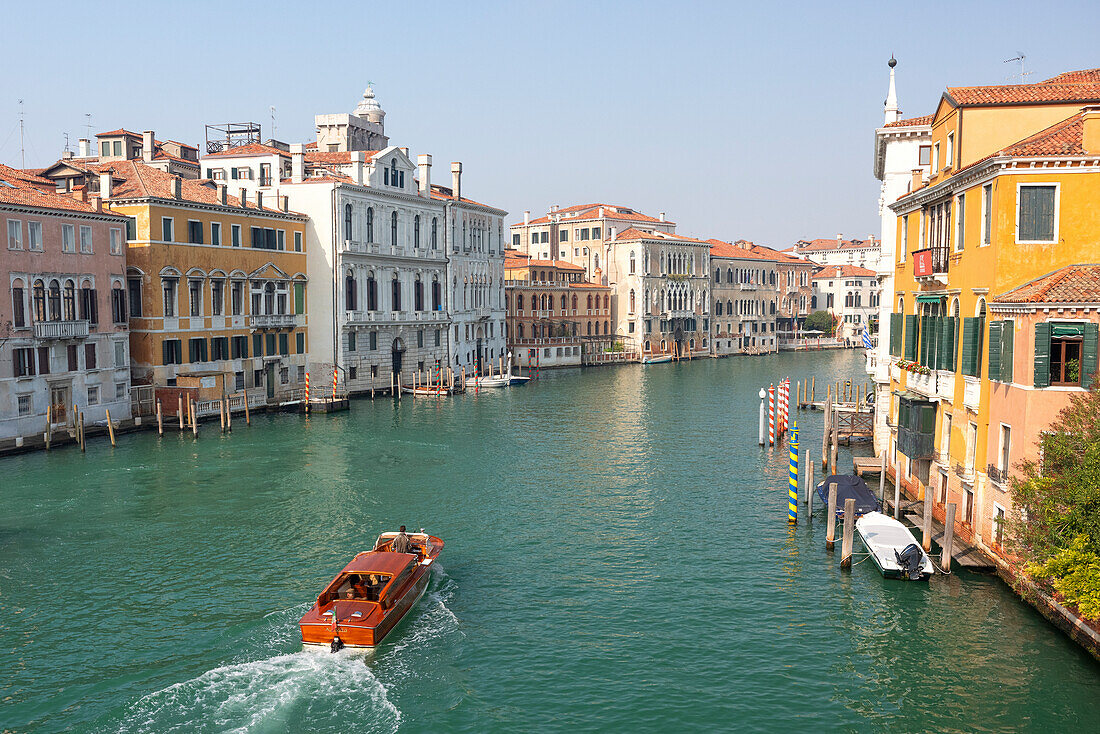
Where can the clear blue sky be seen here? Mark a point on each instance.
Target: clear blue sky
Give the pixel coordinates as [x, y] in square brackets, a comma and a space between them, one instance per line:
[751, 121]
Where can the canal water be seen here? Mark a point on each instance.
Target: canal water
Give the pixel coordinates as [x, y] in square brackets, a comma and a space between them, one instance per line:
[617, 559]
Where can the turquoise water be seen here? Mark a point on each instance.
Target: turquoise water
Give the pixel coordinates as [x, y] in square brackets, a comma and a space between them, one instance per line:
[617, 559]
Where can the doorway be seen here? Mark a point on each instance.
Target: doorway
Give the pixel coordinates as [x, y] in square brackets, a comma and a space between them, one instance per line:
[398, 353]
[60, 397]
[269, 378]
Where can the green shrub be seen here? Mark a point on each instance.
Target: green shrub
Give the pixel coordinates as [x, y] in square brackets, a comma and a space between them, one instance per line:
[1074, 572]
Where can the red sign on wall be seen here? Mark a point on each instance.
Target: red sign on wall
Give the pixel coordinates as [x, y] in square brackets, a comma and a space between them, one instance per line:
[922, 262]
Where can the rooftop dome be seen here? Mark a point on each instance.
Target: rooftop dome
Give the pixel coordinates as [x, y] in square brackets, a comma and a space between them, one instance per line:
[368, 107]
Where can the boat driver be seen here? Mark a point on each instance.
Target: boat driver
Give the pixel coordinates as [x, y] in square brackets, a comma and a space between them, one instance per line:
[401, 543]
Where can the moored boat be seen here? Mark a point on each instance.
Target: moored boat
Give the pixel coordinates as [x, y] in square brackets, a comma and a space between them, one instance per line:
[893, 547]
[848, 486]
[371, 594]
[657, 359]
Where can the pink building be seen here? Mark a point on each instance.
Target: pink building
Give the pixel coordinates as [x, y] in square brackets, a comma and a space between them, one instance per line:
[63, 331]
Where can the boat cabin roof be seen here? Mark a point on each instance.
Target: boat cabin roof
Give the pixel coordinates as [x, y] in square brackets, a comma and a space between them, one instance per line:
[379, 562]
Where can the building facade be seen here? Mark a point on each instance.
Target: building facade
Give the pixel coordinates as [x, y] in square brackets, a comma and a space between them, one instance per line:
[63, 325]
[860, 253]
[851, 294]
[745, 290]
[992, 225]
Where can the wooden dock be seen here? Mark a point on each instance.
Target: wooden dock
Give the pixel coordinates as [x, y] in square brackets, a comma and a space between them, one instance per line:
[866, 465]
[962, 552]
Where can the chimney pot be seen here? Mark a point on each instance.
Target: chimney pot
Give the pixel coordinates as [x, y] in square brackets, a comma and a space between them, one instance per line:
[424, 173]
[526, 216]
[222, 197]
[105, 184]
[918, 173]
[297, 162]
[405, 151]
[244, 198]
[614, 232]
[175, 187]
[600, 214]
[84, 146]
[259, 200]
[1090, 136]
[147, 143]
[661, 216]
[456, 180]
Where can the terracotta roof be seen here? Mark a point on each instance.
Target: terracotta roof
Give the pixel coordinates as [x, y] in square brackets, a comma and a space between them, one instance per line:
[340, 157]
[559, 264]
[588, 285]
[748, 251]
[247, 151]
[635, 233]
[1062, 138]
[1071, 284]
[515, 262]
[832, 244]
[912, 121]
[176, 142]
[17, 188]
[843, 271]
[1085, 76]
[444, 193]
[311, 146]
[120, 131]
[581, 212]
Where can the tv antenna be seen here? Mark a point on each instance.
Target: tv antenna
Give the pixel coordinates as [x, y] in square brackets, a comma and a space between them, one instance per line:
[22, 150]
[1021, 75]
[66, 142]
[272, 108]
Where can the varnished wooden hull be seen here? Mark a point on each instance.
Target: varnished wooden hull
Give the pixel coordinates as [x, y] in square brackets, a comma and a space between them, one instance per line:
[365, 636]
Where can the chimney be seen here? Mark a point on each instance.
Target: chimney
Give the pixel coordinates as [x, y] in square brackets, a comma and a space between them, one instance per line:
[357, 166]
[105, 184]
[405, 151]
[554, 208]
[1090, 136]
[222, 198]
[83, 145]
[96, 203]
[424, 169]
[526, 216]
[66, 155]
[244, 198]
[259, 200]
[284, 203]
[297, 162]
[614, 232]
[839, 238]
[147, 146]
[456, 180]
[600, 213]
[661, 216]
[917, 174]
[174, 186]
[597, 276]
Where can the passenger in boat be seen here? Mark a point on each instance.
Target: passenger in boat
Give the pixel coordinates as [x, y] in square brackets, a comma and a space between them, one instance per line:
[401, 543]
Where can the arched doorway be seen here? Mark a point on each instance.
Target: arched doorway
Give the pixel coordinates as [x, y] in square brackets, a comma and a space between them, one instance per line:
[398, 353]
[479, 334]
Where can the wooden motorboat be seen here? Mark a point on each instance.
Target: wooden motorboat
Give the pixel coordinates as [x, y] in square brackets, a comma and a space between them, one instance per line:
[848, 486]
[501, 379]
[893, 547]
[371, 594]
[434, 390]
[657, 359]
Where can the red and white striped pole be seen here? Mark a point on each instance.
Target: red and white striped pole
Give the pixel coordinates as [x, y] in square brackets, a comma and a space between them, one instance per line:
[784, 418]
[771, 415]
[307, 391]
[333, 382]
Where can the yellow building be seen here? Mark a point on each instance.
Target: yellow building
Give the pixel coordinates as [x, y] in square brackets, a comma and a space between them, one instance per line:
[216, 283]
[1015, 173]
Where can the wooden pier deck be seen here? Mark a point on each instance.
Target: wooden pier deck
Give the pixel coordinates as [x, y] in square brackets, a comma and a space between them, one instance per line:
[866, 465]
[962, 552]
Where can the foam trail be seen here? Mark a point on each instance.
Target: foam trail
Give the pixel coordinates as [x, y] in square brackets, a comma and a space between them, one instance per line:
[276, 694]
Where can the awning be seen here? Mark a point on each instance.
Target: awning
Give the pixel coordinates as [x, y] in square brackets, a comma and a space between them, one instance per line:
[1057, 329]
[925, 298]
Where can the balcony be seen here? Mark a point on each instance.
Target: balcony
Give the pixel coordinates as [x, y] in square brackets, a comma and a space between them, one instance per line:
[923, 384]
[273, 321]
[60, 329]
[965, 473]
[972, 393]
[747, 286]
[945, 385]
[996, 474]
[931, 264]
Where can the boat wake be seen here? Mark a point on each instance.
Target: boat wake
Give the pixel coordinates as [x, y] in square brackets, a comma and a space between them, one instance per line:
[431, 620]
[283, 693]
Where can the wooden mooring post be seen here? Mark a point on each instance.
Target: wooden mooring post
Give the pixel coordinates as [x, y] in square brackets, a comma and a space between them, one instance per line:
[882, 482]
[825, 433]
[830, 529]
[48, 436]
[846, 537]
[247, 417]
[813, 387]
[160, 420]
[111, 428]
[897, 489]
[80, 431]
[194, 417]
[836, 443]
[809, 485]
[228, 414]
[926, 541]
[948, 538]
[179, 409]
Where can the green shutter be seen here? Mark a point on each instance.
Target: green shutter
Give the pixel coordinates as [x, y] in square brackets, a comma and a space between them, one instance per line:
[925, 336]
[164, 352]
[895, 334]
[300, 343]
[1042, 355]
[949, 326]
[257, 345]
[995, 328]
[299, 298]
[910, 338]
[969, 355]
[1007, 339]
[1088, 355]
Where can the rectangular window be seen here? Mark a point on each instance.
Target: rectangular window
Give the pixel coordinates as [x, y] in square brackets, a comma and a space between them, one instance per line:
[584, 233]
[300, 343]
[72, 357]
[257, 345]
[169, 286]
[89, 357]
[563, 235]
[34, 236]
[118, 147]
[269, 343]
[960, 233]
[420, 338]
[215, 233]
[987, 213]
[925, 156]
[437, 337]
[15, 234]
[1006, 451]
[904, 239]
[106, 148]
[116, 241]
[281, 240]
[1037, 216]
[515, 240]
[297, 241]
[120, 354]
[238, 380]
[284, 344]
[595, 233]
[237, 297]
[256, 235]
[120, 391]
[131, 229]
[935, 158]
[350, 340]
[166, 229]
[299, 298]
[219, 347]
[68, 238]
[196, 349]
[374, 340]
[93, 395]
[235, 233]
[239, 347]
[24, 405]
[949, 159]
[172, 351]
[194, 232]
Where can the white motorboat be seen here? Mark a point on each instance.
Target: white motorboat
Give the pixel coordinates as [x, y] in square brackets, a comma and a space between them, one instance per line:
[657, 359]
[500, 380]
[893, 547]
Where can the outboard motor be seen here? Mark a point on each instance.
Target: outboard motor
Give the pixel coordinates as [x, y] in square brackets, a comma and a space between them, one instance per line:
[337, 644]
[911, 560]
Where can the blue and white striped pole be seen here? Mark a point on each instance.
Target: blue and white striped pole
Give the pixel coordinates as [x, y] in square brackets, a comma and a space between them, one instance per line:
[792, 489]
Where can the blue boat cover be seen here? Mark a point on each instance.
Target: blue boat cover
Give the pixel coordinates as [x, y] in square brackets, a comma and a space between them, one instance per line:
[847, 486]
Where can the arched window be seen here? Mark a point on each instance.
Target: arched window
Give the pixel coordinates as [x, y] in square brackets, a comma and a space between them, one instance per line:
[562, 301]
[269, 297]
[606, 327]
[542, 301]
[39, 298]
[416, 231]
[606, 301]
[370, 224]
[347, 222]
[729, 307]
[519, 329]
[437, 294]
[350, 292]
[718, 275]
[632, 263]
[393, 229]
[393, 171]
[718, 308]
[631, 300]
[418, 294]
[435, 233]
[70, 300]
[55, 301]
[574, 301]
[372, 292]
[597, 260]
[519, 302]
[395, 293]
[589, 301]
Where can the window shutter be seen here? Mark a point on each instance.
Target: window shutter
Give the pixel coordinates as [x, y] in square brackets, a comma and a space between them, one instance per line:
[926, 341]
[1088, 355]
[910, 338]
[164, 352]
[1042, 355]
[948, 337]
[1007, 339]
[995, 328]
[971, 331]
[895, 334]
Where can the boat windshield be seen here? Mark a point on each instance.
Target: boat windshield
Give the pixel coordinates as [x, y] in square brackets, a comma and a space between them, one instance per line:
[362, 586]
